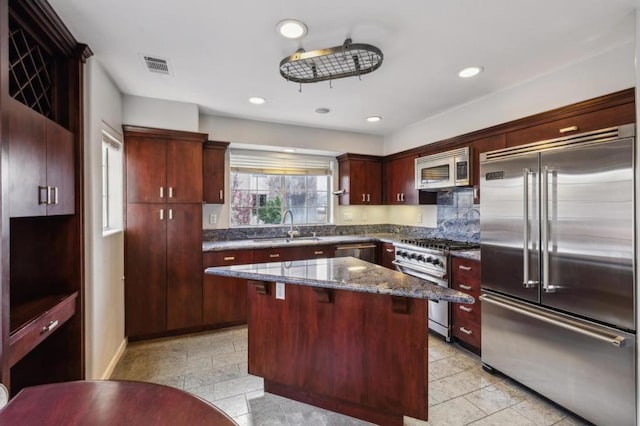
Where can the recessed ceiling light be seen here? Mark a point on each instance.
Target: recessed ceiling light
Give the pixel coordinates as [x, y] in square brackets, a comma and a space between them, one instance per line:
[374, 119]
[289, 150]
[257, 100]
[292, 28]
[470, 72]
[323, 110]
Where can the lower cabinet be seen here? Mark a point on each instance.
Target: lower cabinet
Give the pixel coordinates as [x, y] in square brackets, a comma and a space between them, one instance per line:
[466, 319]
[225, 298]
[387, 254]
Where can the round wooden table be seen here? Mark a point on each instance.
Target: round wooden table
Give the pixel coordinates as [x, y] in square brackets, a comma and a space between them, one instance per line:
[109, 403]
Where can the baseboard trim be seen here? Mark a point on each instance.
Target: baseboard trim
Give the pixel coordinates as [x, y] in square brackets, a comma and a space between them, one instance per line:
[114, 361]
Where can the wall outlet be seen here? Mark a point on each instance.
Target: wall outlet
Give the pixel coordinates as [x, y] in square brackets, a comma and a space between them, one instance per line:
[419, 218]
[280, 291]
[213, 218]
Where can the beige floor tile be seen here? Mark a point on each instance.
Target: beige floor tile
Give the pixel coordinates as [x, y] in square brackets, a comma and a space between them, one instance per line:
[211, 349]
[205, 392]
[196, 379]
[506, 417]
[410, 421]
[244, 420]
[539, 411]
[496, 397]
[237, 386]
[233, 406]
[455, 412]
[460, 384]
[449, 366]
[222, 360]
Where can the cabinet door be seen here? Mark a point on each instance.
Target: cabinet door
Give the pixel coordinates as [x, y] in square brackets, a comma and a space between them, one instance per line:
[146, 269]
[184, 265]
[184, 172]
[478, 147]
[358, 185]
[387, 255]
[213, 172]
[399, 185]
[27, 161]
[373, 182]
[60, 170]
[146, 170]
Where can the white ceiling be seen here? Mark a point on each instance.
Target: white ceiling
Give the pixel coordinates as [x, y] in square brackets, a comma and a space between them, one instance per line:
[223, 52]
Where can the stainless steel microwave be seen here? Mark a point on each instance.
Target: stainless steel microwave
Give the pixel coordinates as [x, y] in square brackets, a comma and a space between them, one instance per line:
[444, 170]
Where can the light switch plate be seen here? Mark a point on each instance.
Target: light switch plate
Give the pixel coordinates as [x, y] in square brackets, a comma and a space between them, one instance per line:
[280, 291]
[213, 218]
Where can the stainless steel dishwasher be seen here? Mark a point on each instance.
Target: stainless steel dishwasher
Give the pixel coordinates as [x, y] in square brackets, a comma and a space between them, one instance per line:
[364, 251]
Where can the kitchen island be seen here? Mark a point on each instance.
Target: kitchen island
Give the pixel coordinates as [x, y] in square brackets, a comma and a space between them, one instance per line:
[342, 334]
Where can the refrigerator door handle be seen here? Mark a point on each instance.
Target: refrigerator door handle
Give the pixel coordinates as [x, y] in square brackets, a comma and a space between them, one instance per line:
[546, 285]
[557, 320]
[526, 282]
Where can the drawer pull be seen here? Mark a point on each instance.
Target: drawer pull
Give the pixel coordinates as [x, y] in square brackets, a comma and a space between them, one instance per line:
[229, 258]
[390, 250]
[465, 331]
[274, 255]
[318, 252]
[47, 328]
[465, 308]
[464, 268]
[221, 195]
[569, 129]
[465, 287]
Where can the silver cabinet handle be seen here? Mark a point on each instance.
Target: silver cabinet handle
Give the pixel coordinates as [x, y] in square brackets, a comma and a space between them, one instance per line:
[398, 197]
[401, 196]
[55, 195]
[546, 286]
[221, 194]
[475, 192]
[318, 252]
[569, 129]
[389, 250]
[171, 192]
[274, 255]
[229, 258]
[368, 198]
[364, 197]
[40, 191]
[465, 331]
[526, 282]
[557, 320]
[465, 287]
[47, 328]
[161, 214]
[464, 268]
[162, 192]
[49, 190]
[465, 308]
[170, 214]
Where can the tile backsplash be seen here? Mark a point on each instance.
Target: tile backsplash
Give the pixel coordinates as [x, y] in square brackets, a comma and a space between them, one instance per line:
[457, 219]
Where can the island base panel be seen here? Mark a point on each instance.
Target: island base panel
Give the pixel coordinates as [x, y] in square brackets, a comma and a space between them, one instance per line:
[351, 352]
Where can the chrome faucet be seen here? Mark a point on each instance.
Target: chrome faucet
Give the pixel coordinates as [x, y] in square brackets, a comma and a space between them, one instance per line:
[290, 232]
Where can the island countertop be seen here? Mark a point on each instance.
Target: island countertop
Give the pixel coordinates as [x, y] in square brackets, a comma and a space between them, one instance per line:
[343, 273]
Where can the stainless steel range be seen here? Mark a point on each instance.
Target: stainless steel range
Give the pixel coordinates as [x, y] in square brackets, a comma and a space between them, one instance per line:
[429, 259]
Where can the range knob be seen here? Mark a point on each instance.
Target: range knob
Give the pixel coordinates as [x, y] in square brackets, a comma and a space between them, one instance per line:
[413, 256]
[435, 261]
[429, 259]
[403, 254]
[420, 258]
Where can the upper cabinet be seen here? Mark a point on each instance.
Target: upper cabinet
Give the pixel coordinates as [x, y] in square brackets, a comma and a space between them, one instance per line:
[41, 164]
[163, 166]
[399, 181]
[360, 177]
[213, 171]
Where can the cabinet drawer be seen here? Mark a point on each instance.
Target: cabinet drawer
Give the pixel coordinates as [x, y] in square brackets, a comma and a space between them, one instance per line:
[465, 313]
[36, 321]
[315, 252]
[279, 254]
[468, 332]
[608, 117]
[466, 275]
[227, 257]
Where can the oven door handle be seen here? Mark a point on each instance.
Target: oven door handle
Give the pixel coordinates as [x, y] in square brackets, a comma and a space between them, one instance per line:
[413, 268]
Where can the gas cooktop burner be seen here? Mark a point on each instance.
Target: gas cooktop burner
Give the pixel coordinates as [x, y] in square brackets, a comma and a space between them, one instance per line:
[440, 244]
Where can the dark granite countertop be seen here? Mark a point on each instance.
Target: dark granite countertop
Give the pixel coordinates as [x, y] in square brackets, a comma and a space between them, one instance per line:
[296, 241]
[343, 273]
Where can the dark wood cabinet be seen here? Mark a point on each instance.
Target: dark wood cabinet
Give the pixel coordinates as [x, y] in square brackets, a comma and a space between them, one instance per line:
[163, 166]
[399, 181]
[572, 125]
[213, 171]
[478, 147]
[466, 319]
[46, 150]
[387, 254]
[163, 231]
[360, 177]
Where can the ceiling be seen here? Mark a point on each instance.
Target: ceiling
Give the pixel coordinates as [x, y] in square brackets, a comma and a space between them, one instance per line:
[223, 52]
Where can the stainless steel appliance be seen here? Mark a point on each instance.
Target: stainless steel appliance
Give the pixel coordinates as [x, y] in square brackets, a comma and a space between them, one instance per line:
[366, 251]
[443, 170]
[429, 259]
[557, 227]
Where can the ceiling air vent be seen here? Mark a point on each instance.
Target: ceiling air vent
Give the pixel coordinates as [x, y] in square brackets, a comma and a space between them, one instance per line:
[156, 65]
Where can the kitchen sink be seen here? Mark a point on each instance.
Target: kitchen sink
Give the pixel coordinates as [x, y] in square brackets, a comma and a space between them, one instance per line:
[285, 239]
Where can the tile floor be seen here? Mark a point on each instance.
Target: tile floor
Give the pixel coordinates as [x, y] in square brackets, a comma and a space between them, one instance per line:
[213, 365]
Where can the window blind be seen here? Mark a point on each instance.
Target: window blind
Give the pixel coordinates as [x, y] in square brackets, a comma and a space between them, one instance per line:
[279, 163]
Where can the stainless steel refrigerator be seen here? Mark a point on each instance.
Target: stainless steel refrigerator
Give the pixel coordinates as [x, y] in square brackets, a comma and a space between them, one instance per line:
[557, 247]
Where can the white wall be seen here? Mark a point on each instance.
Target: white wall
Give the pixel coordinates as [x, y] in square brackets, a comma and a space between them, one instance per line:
[159, 113]
[104, 256]
[596, 76]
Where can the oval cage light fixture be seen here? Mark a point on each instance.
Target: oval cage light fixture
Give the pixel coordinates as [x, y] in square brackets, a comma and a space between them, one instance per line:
[348, 60]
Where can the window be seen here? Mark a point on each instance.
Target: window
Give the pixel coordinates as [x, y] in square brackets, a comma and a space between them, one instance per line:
[112, 183]
[265, 184]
